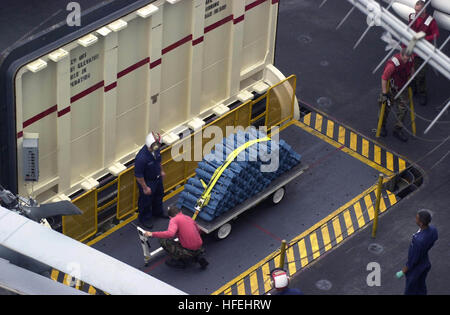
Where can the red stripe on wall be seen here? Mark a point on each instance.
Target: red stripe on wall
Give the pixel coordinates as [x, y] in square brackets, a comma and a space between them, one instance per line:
[275, 1]
[64, 111]
[133, 67]
[19, 134]
[254, 4]
[110, 87]
[177, 44]
[197, 41]
[86, 92]
[239, 19]
[218, 23]
[40, 116]
[155, 63]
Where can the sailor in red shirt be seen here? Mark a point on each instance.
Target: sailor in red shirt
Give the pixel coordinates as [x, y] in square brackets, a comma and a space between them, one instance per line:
[397, 71]
[190, 242]
[427, 24]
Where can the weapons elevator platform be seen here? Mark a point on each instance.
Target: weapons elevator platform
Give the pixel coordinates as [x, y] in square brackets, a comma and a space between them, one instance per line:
[337, 178]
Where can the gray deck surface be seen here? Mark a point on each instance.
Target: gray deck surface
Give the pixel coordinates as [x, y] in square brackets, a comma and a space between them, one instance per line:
[259, 231]
[338, 80]
[327, 66]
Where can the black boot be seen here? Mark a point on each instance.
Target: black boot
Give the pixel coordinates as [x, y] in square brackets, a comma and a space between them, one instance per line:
[400, 134]
[176, 263]
[203, 263]
[383, 131]
[423, 100]
[145, 224]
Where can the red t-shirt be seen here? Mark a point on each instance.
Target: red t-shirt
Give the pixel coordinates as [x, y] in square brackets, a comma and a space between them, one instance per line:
[185, 229]
[388, 71]
[398, 71]
[426, 24]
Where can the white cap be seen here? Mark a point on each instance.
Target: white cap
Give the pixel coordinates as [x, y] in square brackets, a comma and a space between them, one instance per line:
[152, 138]
[280, 279]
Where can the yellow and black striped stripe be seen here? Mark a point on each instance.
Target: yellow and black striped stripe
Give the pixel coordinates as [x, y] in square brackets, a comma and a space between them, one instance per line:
[342, 223]
[70, 281]
[311, 244]
[360, 147]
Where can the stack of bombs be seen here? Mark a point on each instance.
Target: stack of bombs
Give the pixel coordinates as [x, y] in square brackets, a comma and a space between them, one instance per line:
[251, 171]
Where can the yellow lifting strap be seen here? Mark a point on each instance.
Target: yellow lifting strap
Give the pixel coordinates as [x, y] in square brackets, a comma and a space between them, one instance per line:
[205, 197]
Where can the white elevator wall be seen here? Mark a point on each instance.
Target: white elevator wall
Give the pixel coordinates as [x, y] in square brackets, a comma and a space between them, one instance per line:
[150, 74]
[175, 64]
[86, 115]
[40, 98]
[131, 93]
[216, 58]
[256, 32]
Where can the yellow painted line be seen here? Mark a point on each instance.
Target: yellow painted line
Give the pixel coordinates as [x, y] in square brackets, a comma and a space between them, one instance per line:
[337, 230]
[336, 223]
[78, 285]
[109, 232]
[326, 237]
[266, 277]
[365, 148]
[348, 222]
[389, 161]
[369, 206]
[303, 253]
[130, 219]
[291, 259]
[314, 245]
[177, 191]
[401, 164]
[377, 154]
[353, 141]
[359, 215]
[344, 149]
[54, 275]
[254, 284]
[300, 238]
[307, 119]
[92, 290]
[241, 287]
[330, 129]
[392, 198]
[333, 215]
[319, 120]
[67, 279]
[345, 126]
[341, 135]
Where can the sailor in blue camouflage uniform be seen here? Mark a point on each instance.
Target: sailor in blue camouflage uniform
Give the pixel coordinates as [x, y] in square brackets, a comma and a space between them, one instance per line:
[149, 176]
[418, 264]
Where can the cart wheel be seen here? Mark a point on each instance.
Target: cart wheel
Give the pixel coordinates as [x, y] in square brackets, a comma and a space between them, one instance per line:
[223, 231]
[278, 195]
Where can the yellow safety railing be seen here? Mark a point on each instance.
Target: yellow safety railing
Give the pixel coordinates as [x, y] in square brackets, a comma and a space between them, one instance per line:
[177, 169]
[101, 189]
[276, 113]
[84, 226]
[126, 193]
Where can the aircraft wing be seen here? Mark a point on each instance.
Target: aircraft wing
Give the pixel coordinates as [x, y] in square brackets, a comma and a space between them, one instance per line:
[52, 209]
[24, 282]
[65, 254]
